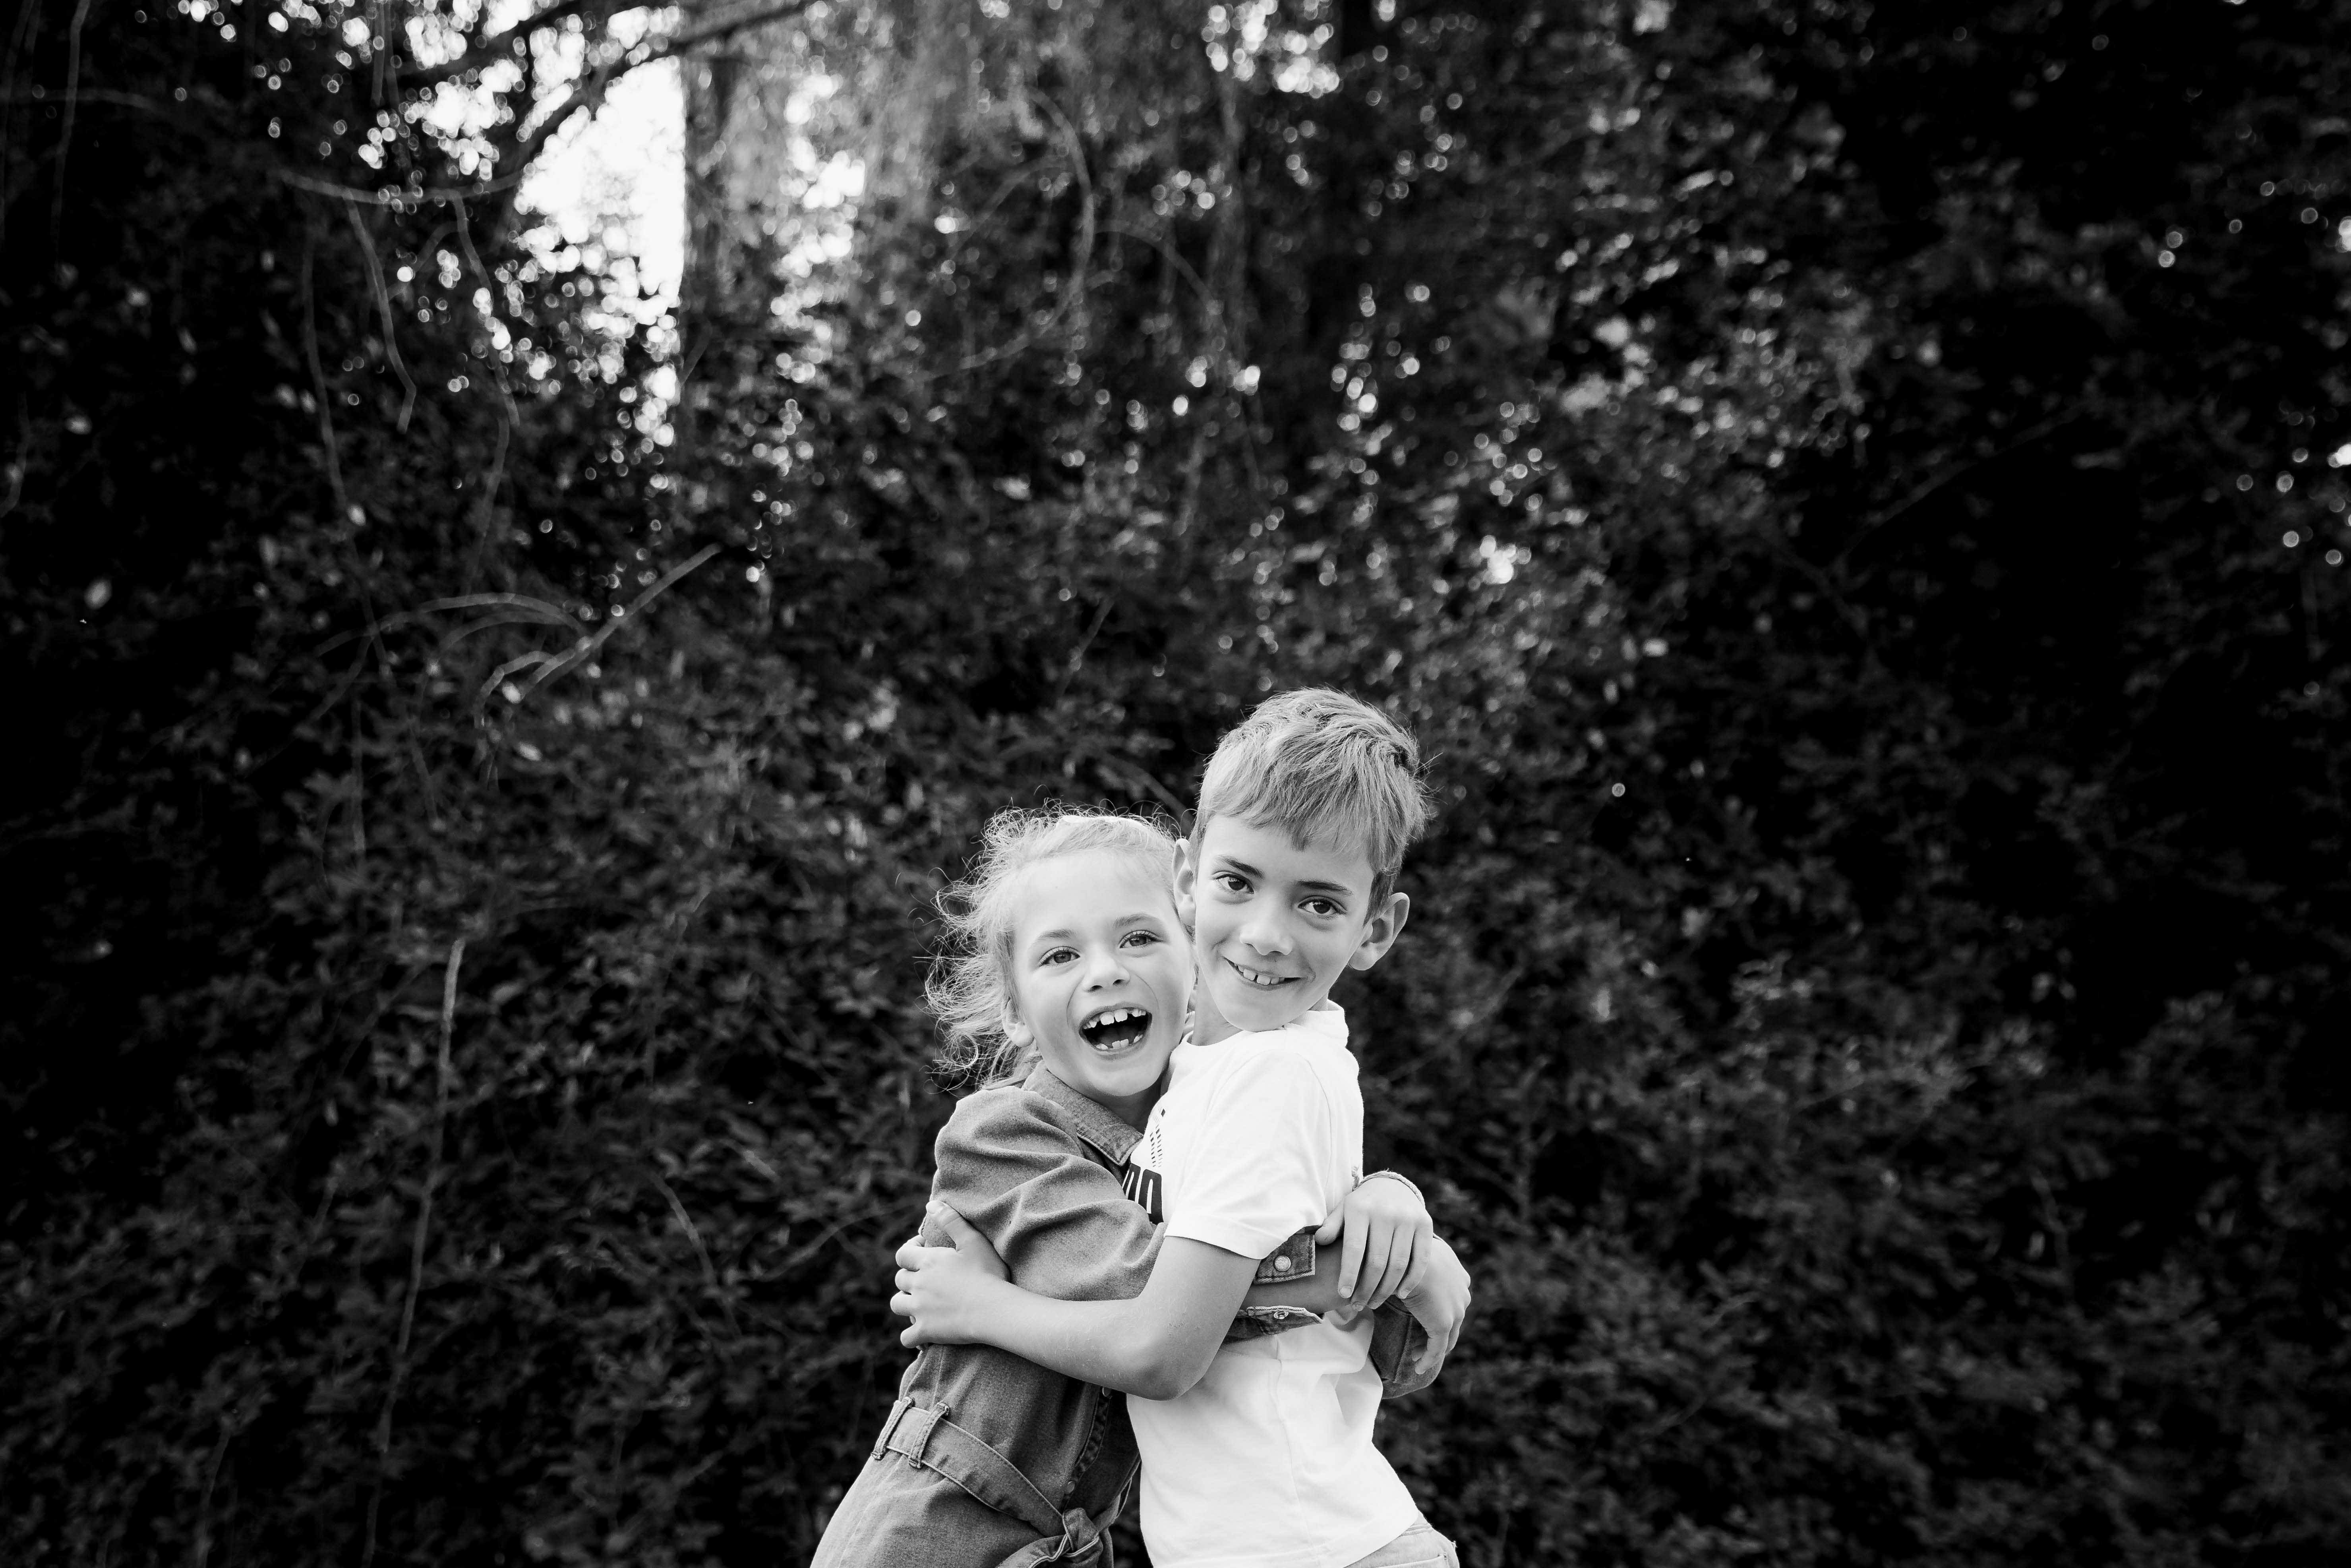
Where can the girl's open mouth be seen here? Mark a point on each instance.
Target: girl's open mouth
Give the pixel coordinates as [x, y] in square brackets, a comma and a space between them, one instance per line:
[1115, 1028]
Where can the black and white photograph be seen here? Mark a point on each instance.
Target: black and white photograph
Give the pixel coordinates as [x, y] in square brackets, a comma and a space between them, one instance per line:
[1150, 784]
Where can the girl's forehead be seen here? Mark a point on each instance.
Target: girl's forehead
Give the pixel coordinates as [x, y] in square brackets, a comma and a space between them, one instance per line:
[1090, 887]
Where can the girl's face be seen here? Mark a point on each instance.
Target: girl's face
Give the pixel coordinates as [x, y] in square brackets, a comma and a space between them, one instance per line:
[1100, 974]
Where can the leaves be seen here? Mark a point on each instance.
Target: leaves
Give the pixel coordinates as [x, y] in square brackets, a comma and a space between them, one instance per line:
[1868, 1011]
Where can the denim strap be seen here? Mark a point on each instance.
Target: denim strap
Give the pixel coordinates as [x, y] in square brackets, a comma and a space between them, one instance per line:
[927, 1437]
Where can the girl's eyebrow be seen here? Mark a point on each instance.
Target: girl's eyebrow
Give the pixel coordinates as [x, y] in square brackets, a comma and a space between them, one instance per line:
[1124, 921]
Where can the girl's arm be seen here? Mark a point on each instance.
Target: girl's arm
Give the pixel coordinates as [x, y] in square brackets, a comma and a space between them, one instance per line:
[1154, 1345]
[1026, 1184]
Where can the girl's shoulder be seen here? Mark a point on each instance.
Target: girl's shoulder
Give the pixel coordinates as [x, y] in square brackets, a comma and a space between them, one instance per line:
[1001, 1112]
[1037, 1116]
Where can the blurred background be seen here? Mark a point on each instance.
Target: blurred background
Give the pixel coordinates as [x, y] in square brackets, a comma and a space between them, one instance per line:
[535, 533]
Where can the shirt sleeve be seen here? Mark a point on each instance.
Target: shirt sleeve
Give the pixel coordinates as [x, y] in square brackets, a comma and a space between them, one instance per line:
[1267, 1158]
[1058, 1219]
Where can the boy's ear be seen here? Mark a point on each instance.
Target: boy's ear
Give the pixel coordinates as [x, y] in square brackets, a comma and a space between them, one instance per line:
[1380, 931]
[1187, 884]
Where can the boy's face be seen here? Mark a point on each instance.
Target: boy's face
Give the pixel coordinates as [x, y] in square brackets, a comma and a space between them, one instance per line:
[1274, 924]
[1100, 974]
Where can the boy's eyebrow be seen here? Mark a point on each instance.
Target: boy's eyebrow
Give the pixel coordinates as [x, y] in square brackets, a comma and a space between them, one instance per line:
[1229, 862]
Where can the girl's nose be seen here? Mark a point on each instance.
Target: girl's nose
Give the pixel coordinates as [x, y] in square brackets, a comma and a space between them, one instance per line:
[1105, 969]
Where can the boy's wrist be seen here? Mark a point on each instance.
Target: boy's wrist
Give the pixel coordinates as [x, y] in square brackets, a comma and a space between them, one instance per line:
[1410, 1186]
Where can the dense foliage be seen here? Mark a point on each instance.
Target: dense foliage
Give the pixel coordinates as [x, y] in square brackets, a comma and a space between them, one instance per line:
[1847, 493]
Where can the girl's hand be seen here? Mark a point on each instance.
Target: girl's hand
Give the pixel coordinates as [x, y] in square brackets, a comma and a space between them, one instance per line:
[1383, 1228]
[1437, 1294]
[942, 1288]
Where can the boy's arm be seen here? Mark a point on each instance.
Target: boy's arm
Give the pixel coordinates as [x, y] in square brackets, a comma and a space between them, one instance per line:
[1259, 1166]
[1154, 1345]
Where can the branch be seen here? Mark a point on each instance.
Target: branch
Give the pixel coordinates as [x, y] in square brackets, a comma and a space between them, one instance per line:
[497, 47]
[318, 384]
[65, 137]
[383, 307]
[397, 196]
[549, 665]
[509, 416]
[591, 90]
[416, 1246]
[1935, 485]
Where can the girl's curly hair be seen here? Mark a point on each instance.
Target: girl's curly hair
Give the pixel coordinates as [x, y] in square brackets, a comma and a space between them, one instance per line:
[970, 987]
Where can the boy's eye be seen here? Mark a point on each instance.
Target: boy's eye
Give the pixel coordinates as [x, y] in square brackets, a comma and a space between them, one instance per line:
[1323, 907]
[1232, 882]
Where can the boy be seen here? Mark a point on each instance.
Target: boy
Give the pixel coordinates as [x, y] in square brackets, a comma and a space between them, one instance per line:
[1261, 1451]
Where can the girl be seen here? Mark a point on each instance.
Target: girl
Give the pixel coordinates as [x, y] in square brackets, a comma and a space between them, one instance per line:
[1063, 993]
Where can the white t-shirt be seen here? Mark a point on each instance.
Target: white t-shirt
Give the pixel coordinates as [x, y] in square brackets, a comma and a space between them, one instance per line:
[1268, 1459]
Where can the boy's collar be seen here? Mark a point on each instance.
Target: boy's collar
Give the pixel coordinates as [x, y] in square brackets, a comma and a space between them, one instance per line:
[1324, 1018]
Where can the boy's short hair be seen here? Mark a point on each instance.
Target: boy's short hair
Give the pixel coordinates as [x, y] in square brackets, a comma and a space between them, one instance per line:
[1321, 765]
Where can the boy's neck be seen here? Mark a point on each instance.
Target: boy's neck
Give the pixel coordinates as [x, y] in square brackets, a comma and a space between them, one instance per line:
[1209, 1026]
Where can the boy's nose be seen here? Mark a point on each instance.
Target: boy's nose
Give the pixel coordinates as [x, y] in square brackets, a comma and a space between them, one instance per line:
[1266, 934]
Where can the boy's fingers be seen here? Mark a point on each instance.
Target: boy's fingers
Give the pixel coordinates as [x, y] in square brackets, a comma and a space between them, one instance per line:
[1351, 1259]
[1327, 1232]
[1390, 1275]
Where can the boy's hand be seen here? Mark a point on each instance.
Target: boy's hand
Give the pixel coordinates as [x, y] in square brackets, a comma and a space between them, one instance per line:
[1383, 1228]
[942, 1289]
[1437, 1294]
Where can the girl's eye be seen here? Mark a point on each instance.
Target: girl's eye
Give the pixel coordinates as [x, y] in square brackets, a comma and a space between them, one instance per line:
[1058, 956]
[1138, 938]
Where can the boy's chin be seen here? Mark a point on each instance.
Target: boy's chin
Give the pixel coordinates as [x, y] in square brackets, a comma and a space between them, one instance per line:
[1246, 1008]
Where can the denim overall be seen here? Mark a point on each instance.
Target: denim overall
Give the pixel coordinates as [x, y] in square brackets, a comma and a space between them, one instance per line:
[990, 1461]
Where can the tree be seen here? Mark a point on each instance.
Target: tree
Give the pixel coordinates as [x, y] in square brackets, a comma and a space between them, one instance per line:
[1846, 509]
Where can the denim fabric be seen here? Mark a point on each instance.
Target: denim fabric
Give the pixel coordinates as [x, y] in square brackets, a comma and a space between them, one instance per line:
[1398, 1337]
[990, 1461]
[1419, 1547]
[1033, 1166]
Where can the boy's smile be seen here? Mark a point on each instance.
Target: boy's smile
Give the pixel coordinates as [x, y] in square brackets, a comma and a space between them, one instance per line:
[1100, 974]
[1274, 925]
